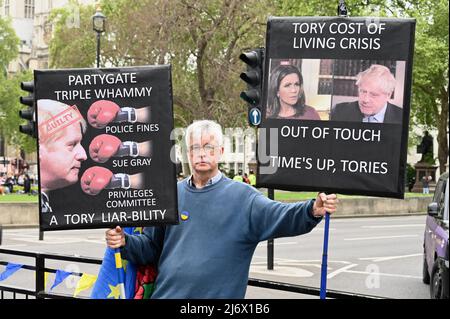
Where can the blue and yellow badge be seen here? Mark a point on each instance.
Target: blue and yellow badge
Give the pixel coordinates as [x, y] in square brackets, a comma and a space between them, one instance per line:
[184, 216]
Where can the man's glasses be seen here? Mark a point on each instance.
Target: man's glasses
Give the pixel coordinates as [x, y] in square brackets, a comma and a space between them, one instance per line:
[207, 148]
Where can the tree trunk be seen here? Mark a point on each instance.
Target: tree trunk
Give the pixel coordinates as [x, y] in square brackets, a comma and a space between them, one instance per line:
[442, 131]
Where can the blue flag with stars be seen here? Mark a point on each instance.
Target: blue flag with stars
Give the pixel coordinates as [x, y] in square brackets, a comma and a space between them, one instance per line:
[108, 284]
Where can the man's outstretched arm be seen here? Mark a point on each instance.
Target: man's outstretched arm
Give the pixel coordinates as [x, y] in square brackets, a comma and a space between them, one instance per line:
[272, 219]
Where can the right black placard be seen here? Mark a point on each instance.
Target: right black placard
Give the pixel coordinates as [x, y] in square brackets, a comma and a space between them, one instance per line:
[336, 105]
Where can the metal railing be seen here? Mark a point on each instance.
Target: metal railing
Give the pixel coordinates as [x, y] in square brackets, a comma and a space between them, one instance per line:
[40, 270]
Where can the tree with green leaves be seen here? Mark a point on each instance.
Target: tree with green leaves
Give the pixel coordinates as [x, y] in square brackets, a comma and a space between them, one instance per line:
[9, 112]
[201, 39]
[430, 81]
[10, 90]
[9, 44]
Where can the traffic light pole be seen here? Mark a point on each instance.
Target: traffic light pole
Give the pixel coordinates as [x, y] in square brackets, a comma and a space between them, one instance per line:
[29, 114]
[253, 77]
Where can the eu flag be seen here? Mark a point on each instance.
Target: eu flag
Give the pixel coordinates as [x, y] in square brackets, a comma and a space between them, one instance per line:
[137, 281]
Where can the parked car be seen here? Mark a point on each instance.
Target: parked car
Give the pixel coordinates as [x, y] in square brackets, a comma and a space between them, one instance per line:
[436, 249]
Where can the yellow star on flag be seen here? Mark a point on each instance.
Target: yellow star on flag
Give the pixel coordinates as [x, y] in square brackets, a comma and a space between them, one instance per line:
[138, 230]
[115, 292]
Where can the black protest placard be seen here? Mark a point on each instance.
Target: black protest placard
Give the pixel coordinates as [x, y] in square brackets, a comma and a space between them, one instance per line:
[336, 104]
[104, 147]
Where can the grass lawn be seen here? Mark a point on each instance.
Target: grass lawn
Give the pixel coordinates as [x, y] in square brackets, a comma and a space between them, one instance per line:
[279, 195]
[19, 198]
[291, 196]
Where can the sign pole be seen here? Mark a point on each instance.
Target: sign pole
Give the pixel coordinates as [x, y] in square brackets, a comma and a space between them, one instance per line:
[270, 242]
[342, 11]
[323, 281]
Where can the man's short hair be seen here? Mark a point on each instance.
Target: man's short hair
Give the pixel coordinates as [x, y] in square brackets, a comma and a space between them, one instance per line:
[48, 109]
[199, 128]
[385, 79]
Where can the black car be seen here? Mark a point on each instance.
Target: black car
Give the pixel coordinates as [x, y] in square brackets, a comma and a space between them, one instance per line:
[436, 249]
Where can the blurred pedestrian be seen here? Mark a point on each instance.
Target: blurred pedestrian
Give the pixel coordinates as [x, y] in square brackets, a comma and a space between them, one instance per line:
[245, 178]
[238, 177]
[426, 184]
[252, 178]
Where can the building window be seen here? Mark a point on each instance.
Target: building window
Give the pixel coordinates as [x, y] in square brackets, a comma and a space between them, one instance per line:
[29, 9]
[240, 143]
[6, 7]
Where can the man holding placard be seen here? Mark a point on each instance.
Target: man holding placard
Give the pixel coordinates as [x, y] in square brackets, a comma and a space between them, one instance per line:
[208, 254]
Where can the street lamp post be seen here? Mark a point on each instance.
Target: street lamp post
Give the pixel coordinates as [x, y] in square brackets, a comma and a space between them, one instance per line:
[98, 25]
